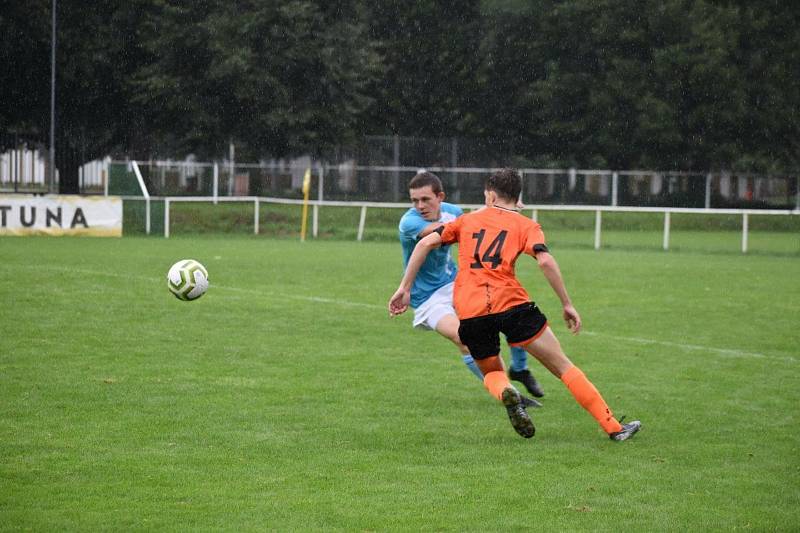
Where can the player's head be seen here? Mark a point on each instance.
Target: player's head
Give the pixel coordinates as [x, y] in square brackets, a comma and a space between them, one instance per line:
[505, 184]
[425, 190]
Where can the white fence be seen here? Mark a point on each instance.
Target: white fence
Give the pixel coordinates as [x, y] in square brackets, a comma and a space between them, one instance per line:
[93, 176]
[607, 179]
[23, 169]
[535, 209]
[26, 170]
[350, 182]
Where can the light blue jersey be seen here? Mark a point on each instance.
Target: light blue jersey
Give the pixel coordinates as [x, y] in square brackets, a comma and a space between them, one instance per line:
[439, 269]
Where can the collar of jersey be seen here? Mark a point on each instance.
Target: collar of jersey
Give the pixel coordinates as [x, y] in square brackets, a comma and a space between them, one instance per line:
[506, 209]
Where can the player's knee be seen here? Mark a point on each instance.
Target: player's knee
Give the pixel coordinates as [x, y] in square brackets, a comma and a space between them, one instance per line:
[449, 334]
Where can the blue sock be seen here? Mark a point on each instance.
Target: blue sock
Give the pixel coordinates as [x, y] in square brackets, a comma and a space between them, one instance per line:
[519, 359]
[470, 362]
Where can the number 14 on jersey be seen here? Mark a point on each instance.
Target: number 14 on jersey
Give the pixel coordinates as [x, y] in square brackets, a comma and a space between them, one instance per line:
[491, 254]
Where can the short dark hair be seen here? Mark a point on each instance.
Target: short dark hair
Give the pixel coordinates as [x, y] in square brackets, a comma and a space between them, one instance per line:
[425, 178]
[507, 183]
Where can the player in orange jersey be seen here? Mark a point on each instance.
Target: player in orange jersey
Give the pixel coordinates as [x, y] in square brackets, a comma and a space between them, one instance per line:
[432, 291]
[489, 299]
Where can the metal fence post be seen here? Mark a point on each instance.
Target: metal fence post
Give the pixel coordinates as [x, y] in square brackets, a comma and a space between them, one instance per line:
[395, 173]
[745, 224]
[255, 216]
[320, 197]
[361, 221]
[215, 188]
[143, 188]
[708, 191]
[666, 230]
[597, 223]
[231, 168]
[166, 218]
[614, 187]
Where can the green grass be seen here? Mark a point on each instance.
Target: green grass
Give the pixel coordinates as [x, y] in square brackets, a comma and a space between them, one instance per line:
[285, 399]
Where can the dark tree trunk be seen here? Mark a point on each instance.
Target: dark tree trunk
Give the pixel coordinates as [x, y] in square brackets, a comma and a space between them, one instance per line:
[68, 162]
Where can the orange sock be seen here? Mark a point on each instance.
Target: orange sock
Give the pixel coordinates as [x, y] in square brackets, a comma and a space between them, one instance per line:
[495, 382]
[587, 395]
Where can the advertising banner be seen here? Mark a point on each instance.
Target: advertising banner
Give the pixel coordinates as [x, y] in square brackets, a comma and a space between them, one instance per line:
[27, 214]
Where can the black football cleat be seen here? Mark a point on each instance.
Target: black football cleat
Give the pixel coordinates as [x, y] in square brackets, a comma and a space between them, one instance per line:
[526, 378]
[628, 430]
[530, 402]
[515, 408]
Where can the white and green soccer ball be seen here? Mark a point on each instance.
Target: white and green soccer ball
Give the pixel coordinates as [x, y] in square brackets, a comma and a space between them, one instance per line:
[187, 280]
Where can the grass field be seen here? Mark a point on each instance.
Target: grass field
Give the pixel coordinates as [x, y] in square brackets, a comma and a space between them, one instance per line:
[286, 399]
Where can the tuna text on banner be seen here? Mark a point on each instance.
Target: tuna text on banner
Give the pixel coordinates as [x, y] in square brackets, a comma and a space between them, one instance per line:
[23, 214]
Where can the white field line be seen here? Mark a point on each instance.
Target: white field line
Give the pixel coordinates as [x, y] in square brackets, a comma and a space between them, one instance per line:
[316, 299]
[726, 352]
[694, 347]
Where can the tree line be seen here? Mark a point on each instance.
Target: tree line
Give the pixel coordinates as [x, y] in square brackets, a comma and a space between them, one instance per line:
[623, 84]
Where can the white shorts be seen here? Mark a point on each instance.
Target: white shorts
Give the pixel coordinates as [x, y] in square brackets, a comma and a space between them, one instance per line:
[439, 304]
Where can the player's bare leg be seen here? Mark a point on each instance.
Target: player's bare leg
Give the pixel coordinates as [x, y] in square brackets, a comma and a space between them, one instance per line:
[547, 350]
[447, 327]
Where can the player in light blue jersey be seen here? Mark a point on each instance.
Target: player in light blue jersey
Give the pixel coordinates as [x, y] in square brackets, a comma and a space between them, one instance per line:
[432, 292]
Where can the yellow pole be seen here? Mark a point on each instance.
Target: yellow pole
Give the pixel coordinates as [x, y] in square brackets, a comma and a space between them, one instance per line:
[306, 191]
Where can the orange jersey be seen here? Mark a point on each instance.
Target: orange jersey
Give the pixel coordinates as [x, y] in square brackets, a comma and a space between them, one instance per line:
[489, 242]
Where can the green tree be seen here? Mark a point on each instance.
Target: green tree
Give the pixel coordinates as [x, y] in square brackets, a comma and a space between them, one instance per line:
[25, 55]
[96, 52]
[430, 56]
[768, 52]
[686, 84]
[512, 64]
[276, 78]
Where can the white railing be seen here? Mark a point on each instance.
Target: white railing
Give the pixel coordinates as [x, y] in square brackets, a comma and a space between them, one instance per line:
[535, 209]
[603, 185]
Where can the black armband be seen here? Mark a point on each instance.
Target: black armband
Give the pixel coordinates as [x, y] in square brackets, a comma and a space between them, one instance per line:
[540, 248]
[439, 230]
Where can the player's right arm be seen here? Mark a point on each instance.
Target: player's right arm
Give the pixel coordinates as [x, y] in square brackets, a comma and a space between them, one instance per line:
[401, 299]
[433, 226]
[427, 230]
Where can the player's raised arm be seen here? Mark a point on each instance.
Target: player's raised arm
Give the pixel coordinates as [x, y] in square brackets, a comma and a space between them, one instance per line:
[400, 300]
[427, 230]
[551, 271]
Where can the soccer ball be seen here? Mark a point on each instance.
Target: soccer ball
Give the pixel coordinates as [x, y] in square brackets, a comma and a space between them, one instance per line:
[187, 280]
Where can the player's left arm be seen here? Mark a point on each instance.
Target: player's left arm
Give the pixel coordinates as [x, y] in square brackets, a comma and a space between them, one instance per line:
[401, 298]
[549, 267]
